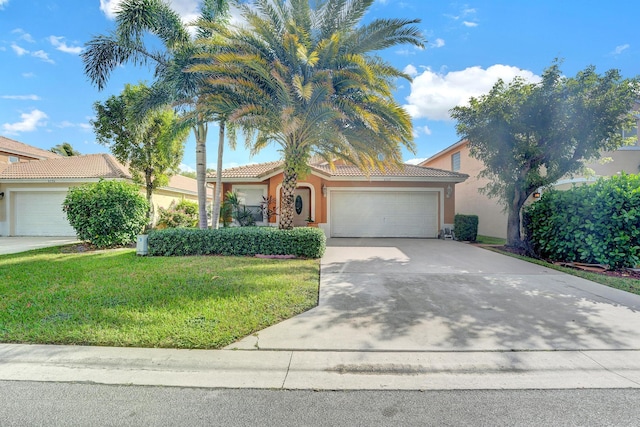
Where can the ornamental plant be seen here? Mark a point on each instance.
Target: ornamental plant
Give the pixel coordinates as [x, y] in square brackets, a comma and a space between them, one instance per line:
[106, 213]
[597, 223]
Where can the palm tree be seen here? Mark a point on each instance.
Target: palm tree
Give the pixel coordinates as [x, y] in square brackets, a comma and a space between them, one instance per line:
[173, 84]
[65, 149]
[304, 79]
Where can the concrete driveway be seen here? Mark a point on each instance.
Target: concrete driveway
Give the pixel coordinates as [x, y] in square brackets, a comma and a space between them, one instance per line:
[12, 245]
[434, 295]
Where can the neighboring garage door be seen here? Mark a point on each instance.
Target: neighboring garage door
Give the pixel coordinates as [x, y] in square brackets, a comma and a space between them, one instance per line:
[384, 214]
[39, 213]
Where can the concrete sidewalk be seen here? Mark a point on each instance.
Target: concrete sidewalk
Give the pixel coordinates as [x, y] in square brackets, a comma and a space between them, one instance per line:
[321, 370]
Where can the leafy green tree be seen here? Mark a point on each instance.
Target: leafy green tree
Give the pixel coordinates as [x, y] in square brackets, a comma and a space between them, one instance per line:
[173, 85]
[304, 79]
[152, 147]
[65, 149]
[106, 213]
[529, 135]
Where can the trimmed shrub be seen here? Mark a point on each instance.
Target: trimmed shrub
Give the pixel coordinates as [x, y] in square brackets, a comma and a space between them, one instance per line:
[597, 223]
[183, 214]
[466, 227]
[306, 242]
[107, 213]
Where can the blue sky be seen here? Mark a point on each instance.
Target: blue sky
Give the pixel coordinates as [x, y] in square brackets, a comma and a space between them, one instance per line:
[45, 99]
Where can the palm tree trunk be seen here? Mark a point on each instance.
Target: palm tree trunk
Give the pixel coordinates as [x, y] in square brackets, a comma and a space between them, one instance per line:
[289, 184]
[149, 190]
[200, 132]
[218, 190]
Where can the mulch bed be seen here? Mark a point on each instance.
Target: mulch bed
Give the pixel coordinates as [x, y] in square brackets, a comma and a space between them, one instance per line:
[592, 268]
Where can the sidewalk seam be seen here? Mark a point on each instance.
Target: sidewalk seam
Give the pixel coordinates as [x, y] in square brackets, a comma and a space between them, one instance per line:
[286, 374]
[608, 369]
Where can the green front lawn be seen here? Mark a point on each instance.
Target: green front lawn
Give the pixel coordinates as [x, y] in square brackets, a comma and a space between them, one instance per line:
[115, 298]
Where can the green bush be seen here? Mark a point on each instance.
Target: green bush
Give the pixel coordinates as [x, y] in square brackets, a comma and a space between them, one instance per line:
[597, 223]
[466, 227]
[107, 213]
[183, 214]
[306, 242]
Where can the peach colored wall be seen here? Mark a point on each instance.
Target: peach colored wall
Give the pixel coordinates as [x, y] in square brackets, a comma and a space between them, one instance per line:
[492, 221]
[321, 202]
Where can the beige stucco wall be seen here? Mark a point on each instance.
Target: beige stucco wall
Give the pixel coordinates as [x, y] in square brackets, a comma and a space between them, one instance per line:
[492, 221]
[162, 197]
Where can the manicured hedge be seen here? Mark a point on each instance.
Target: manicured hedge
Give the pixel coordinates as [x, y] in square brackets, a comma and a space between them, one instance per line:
[306, 242]
[106, 213]
[597, 223]
[466, 227]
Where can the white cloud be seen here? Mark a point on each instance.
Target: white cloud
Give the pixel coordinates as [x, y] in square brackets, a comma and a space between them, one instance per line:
[68, 124]
[415, 161]
[187, 9]
[43, 55]
[410, 70]
[28, 75]
[3, 3]
[619, 49]
[61, 45]
[438, 43]
[18, 50]
[186, 168]
[469, 24]
[21, 97]
[434, 94]
[23, 35]
[421, 130]
[30, 121]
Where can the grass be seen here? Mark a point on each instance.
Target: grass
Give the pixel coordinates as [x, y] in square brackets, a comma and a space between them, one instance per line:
[623, 283]
[115, 298]
[488, 240]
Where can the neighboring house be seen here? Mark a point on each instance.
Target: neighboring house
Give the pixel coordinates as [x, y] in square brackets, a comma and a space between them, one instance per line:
[14, 152]
[492, 220]
[32, 192]
[410, 201]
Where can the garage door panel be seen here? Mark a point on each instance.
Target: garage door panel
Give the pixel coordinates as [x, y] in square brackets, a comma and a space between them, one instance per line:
[384, 214]
[39, 213]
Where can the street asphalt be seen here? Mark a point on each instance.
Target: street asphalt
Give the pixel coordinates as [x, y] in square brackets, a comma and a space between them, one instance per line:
[396, 314]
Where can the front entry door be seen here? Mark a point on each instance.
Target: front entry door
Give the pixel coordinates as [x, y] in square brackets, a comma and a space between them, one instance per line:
[301, 206]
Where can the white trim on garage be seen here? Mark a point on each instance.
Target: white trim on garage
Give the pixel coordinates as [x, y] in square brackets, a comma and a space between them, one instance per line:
[369, 219]
[37, 212]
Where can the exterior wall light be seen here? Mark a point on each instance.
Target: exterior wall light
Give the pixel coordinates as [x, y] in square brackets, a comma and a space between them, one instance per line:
[449, 191]
[324, 190]
[1, 195]
[536, 195]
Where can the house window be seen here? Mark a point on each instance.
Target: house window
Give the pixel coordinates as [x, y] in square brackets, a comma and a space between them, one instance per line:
[13, 159]
[251, 196]
[455, 162]
[631, 133]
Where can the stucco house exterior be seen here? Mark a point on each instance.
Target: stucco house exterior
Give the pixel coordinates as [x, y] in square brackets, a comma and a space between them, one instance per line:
[12, 151]
[408, 201]
[32, 192]
[492, 220]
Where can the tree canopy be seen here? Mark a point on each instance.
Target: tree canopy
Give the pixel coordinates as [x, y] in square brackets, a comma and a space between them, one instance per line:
[151, 147]
[65, 149]
[529, 135]
[305, 79]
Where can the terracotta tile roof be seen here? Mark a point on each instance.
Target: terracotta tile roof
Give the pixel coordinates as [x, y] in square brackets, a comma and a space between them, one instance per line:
[14, 147]
[262, 170]
[255, 170]
[87, 166]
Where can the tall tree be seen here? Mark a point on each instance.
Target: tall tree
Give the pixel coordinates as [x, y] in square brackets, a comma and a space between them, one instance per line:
[529, 135]
[65, 149]
[304, 78]
[173, 85]
[152, 147]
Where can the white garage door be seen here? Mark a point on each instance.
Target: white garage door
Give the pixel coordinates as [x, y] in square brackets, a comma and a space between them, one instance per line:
[39, 213]
[384, 214]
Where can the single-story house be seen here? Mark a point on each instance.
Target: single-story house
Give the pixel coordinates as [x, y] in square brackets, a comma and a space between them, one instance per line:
[492, 219]
[31, 193]
[408, 201]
